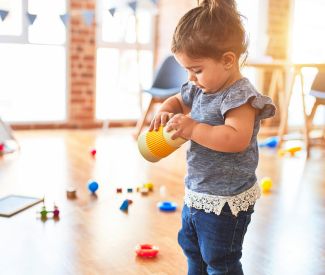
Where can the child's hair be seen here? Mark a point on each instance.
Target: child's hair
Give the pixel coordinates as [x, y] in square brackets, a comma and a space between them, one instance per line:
[209, 30]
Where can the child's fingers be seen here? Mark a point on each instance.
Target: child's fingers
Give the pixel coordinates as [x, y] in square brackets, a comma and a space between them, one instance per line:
[165, 118]
[151, 126]
[157, 123]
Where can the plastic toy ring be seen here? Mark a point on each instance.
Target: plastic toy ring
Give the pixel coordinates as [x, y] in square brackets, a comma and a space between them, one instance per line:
[167, 206]
[146, 250]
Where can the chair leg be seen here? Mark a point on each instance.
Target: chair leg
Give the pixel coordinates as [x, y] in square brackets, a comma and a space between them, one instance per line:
[141, 122]
[309, 123]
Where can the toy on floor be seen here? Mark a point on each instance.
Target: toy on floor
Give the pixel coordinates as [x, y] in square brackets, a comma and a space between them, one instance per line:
[291, 150]
[71, 193]
[167, 206]
[162, 191]
[125, 205]
[146, 250]
[148, 185]
[44, 212]
[266, 184]
[155, 145]
[270, 142]
[144, 191]
[93, 152]
[93, 186]
[56, 212]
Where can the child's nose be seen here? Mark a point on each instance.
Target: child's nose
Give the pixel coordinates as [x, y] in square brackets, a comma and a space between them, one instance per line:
[191, 76]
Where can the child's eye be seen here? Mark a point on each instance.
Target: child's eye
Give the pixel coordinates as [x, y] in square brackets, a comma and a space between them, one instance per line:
[197, 72]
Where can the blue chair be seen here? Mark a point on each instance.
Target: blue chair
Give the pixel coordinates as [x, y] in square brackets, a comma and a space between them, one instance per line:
[168, 80]
[318, 91]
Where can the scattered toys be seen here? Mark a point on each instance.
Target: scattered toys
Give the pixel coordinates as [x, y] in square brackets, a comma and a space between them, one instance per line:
[44, 212]
[93, 152]
[144, 191]
[125, 205]
[119, 190]
[93, 186]
[167, 206]
[291, 150]
[71, 193]
[162, 191]
[146, 250]
[130, 190]
[266, 184]
[148, 185]
[270, 142]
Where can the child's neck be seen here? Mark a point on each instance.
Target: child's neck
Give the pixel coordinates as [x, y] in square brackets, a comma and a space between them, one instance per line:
[235, 76]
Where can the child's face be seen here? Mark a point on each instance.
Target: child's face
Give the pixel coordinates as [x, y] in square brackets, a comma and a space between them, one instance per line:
[206, 73]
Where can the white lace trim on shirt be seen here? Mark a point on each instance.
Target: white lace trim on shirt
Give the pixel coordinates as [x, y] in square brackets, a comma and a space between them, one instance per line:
[212, 203]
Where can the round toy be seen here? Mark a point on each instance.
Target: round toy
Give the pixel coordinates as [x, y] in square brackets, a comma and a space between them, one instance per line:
[266, 184]
[146, 250]
[167, 206]
[93, 186]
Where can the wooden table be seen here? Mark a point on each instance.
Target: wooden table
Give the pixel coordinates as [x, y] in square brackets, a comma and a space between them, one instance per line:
[283, 78]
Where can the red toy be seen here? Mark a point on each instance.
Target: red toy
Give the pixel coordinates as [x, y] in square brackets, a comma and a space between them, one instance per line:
[93, 152]
[146, 250]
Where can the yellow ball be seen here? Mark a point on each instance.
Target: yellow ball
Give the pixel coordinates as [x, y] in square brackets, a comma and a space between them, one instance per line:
[266, 184]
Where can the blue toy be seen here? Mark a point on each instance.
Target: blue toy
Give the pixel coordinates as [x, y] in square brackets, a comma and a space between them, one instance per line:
[270, 142]
[93, 186]
[125, 205]
[167, 206]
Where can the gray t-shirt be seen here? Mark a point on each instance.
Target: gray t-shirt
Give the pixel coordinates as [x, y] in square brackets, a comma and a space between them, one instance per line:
[218, 173]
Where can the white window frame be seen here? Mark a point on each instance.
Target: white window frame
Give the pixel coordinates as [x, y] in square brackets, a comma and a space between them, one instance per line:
[124, 46]
[23, 39]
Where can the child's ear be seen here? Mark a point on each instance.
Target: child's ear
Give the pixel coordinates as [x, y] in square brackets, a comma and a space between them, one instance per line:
[228, 60]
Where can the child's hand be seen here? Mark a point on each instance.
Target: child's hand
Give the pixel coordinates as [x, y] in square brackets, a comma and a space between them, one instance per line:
[183, 125]
[161, 118]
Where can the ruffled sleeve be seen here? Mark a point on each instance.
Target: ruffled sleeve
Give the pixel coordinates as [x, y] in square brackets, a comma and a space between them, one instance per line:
[238, 97]
[188, 92]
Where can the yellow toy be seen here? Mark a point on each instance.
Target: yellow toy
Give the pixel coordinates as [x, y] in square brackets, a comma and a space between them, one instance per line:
[149, 185]
[266, 184]
[291, 150]
[155, 145]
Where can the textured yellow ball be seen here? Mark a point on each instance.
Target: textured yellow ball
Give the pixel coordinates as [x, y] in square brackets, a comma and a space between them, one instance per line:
[266, 184]
[155, 145]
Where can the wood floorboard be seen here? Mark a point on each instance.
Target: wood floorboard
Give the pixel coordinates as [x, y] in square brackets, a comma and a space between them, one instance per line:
[93, 236]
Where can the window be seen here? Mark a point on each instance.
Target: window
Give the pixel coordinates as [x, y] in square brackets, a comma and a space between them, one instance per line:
[307, 45]
[33, 61]
[124, 58]
[255, 23]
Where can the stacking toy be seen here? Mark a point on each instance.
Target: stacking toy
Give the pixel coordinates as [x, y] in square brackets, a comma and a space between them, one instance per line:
[146, 250]
[167, 206]
[155, 145]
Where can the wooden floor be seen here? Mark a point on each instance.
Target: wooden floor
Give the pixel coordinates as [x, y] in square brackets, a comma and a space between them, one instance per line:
[286, 236]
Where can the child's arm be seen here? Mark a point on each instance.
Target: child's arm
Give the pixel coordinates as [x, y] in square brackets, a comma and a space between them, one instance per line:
[233, 136]
[171, 106]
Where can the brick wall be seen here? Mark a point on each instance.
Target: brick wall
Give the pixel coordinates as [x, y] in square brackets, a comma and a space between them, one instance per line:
[82, 66]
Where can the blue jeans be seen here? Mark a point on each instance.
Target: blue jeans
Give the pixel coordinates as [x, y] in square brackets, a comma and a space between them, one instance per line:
[213, 243]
